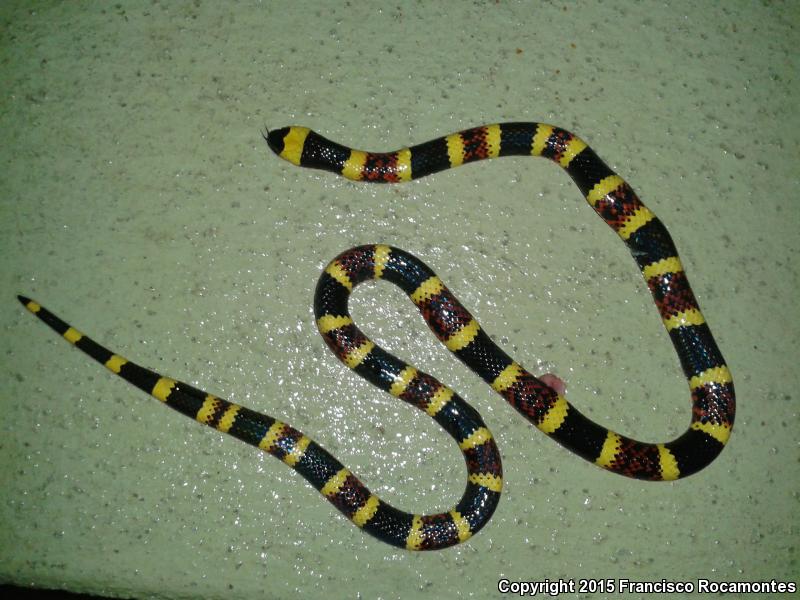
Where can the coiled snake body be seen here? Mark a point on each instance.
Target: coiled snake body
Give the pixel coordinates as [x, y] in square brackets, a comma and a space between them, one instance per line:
[710, 383]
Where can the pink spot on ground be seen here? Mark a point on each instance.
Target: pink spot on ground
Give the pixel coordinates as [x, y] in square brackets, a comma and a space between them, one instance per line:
[555, 382]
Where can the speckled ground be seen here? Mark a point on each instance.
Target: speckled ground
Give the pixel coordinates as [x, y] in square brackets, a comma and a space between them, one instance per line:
[138, 201]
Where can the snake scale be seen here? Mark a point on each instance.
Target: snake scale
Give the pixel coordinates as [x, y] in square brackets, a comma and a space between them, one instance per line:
[710, 382]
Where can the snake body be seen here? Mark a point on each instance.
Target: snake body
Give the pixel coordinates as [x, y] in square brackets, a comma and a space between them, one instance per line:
[710, 383]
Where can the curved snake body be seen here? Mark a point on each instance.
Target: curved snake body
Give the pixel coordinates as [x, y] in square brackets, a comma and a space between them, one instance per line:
[712, 392]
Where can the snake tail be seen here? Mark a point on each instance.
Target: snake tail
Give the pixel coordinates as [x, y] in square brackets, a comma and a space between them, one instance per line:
[339, 486]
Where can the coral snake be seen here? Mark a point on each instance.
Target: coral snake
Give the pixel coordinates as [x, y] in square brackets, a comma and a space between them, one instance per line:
[710, 383]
